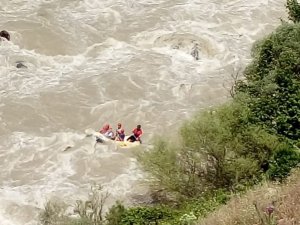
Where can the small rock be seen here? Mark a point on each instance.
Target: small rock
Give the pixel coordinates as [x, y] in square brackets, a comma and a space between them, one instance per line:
[20, 65]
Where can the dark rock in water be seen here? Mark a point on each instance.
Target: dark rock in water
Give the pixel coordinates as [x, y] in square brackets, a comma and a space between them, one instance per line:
[67, 148]
[5, 34]
[20, 65]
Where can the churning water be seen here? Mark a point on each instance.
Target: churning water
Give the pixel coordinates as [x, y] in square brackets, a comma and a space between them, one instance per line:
[94, 61]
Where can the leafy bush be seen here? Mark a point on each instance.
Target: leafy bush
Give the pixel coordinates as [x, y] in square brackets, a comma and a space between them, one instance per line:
[272, 91]
[115, 214]
[293, 10]
[233, 146]
[140, 215]
[219, 149]
[273, 82]
[200, 207]
[161, 163]
[284, 160]
[188, 219]
[187, 212]
[145, 215]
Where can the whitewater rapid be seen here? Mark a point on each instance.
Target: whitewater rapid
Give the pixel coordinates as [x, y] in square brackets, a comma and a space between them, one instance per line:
[90, 62]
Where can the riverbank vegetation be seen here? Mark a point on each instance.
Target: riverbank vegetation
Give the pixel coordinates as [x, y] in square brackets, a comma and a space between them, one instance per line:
[251, 141]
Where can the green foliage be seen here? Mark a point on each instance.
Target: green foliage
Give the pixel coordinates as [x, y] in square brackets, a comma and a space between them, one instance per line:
[273, 82]
[187, 212]
[115, 214]
[235, 155]
[145, 215]
[188, 219]
[284, 160]
[170, 171]
[200, 207]
[231, 147]
[293, 10]
[140, 215]
[219, 149]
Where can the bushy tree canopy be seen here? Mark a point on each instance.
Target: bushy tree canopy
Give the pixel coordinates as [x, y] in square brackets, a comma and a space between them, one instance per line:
[293, 10]
[273, 82]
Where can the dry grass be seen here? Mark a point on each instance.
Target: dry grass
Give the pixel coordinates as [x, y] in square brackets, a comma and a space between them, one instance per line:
[241, 209]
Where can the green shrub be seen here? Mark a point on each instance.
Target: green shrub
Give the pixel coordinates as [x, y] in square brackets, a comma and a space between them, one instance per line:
[273, 82]
[219, 149]
[145, 215]
[188, 219]
[233, 145]
[200, 207]
[293, 10]
[115, 214]
[234, 149]
[187, 212]
[161, 164]
[284, 160]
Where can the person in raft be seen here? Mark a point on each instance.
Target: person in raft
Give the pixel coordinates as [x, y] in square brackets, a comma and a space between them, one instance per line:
[106, 130]
[137, 133]
[120, 133]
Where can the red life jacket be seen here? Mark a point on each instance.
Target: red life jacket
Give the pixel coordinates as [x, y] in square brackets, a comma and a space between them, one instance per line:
[137, 133]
